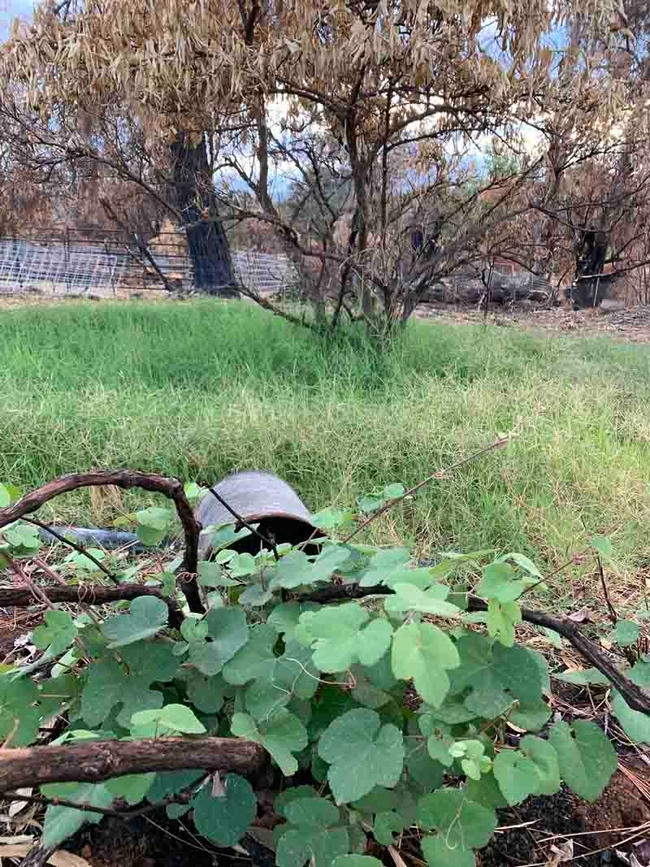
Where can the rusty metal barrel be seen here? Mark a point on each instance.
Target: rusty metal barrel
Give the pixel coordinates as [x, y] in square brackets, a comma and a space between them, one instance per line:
[259, 498]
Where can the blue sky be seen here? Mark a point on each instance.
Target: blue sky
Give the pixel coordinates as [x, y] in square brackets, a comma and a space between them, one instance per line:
[10, 9]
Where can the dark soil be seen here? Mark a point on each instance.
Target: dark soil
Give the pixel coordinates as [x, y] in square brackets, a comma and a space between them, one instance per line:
[158, 842]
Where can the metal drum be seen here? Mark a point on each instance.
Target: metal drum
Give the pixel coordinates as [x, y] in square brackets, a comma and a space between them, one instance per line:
[260, 498]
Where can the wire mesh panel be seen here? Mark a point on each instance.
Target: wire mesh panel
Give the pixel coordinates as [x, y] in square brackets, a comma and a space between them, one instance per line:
[109, 264]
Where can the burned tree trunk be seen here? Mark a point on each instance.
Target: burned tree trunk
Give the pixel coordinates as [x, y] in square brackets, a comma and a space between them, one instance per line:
[591, 285]
[193, 192]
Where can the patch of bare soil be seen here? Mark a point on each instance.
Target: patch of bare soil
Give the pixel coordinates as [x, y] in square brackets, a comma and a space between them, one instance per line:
[632, 324]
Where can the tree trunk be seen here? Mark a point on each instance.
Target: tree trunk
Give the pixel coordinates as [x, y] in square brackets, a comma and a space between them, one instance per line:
[207, 243]
[590, 286]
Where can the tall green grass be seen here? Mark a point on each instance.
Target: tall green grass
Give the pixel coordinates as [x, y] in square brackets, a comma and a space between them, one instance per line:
[203, 388]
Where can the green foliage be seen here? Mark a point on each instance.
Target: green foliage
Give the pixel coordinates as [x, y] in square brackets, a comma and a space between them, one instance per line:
[147, 616]
[321, 688]
[362, 754]
[224, 816]
[57, 634]
[586, 757]
[313, 834]
[342, 635]
[625, 633]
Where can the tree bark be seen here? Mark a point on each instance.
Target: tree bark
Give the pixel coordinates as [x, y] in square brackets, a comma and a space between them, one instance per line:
[87, 594]
[194, 197]
[95, 761]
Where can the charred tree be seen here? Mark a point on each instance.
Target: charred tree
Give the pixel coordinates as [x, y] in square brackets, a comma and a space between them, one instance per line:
[194, 195]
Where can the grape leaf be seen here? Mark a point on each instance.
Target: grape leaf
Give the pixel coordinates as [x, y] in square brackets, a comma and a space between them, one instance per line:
[524, 563]
[516, 774]
[341, 635]
[132, 787]
[212, 575]
[224, 818]
[313, 834]
[110, 683]
[500, 582]
[281, 735]
[62, 822]
[169, 720]
[502, 617]
[439, 853]
[57, 634]
[410, 598]
[226, 534]
[153, 524]
[586, 757]
[603, 545]
[361, 753]
[635, 723]
[227, 633]
[23, 539]
[383, 565]
[583, 677]
[292, 570]
[531, 717]
[464, 824]
[19, 712]
[255, 659]
[425, 653]
[625, 633]
[147, 615]
[284, 617]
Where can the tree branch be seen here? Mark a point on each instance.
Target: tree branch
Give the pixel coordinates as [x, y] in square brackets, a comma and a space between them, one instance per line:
[171, 488]
[95, 761]
[88, 594]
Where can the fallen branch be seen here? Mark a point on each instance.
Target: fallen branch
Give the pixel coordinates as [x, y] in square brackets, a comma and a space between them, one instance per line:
[171, 488]
[89, 594]
[95, 761]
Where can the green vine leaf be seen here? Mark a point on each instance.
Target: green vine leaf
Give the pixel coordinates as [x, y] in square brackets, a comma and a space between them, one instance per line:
[500, 582]
[172, 719]
[625, 633]
[425, 653]
[502, 617]
[132, 787]
[22, 539]
[62, 822]
[516, 774]
[127, 683]
[57, 634]
[431, 601]
[439, 853]
[147, 615]
[20, 713]
[153, 524]
[462, 823]
[227, 633]
[255, 659]
[281, 736]
[384, 565]
[341, 635]
[313, 834]
[362, 754]
[224, 817]
[284, 617]
[586, 757]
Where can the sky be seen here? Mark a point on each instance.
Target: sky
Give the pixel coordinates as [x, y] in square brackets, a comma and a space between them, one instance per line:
[10, 9]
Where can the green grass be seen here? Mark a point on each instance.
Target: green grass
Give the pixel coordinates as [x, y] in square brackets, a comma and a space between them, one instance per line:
[200, 389]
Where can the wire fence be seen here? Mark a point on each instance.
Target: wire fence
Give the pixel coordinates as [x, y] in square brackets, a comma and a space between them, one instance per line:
[106, 264]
